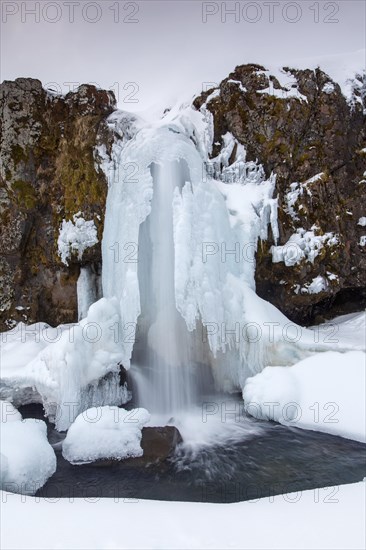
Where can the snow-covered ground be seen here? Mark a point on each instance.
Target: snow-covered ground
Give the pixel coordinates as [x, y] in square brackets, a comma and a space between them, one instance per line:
[331, 518]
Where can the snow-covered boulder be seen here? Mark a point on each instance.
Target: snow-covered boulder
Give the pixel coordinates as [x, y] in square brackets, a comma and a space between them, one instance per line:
[27, 460]
[105, 433]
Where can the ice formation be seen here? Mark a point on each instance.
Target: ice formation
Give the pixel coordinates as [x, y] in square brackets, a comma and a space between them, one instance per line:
[88, 290]
[75, 237]
[68, 368]
[219, 211]
[105, 433]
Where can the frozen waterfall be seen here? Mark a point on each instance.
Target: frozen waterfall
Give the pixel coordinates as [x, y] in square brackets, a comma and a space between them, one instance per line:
[174, 256]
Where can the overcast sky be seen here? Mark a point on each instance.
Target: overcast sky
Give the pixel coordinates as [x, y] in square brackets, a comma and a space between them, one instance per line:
[152, 51]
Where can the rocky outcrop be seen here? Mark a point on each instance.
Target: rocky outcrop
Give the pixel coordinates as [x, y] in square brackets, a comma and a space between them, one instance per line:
[48, 174]
[314, 140]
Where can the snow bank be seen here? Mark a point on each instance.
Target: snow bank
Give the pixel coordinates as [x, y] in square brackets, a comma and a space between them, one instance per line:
[324, 392]
[105, 432]
[76, 237]
[68, 369]
[331, 518]
[27, 460]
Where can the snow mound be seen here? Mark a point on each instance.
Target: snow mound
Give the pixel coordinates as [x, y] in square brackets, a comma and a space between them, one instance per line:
[105, 433]
[324, 392]
[27, 460]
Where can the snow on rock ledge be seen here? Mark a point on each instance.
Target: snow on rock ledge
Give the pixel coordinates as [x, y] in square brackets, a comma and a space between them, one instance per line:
[324, 392]
[105, 433]
[302, 245]
[27, 460]
[76, 237]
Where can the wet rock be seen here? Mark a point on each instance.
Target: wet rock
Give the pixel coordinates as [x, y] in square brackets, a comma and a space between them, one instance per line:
[158, 444]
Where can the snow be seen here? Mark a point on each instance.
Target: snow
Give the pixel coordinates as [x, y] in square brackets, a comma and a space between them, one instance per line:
[349, 331]
[362, 241]
[105, 433]
[279, 93]
[298, 190]
[362, 221]
[69, 368]
[27, 460]
[318, 284]
[328, 88]
[76, 237]
[324, 392]
[302, 245]
[8, 413]
[330, 518]
[238, 83]
[340, 67]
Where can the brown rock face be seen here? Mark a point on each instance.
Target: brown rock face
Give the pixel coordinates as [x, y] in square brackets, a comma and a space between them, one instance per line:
[47, 174]
[298, 139]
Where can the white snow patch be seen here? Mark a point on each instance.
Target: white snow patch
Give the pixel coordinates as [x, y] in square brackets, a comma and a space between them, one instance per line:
[362, 221]
[298, 190]
[318, 284]
[362, 241]
[328, 88]
[241, 87]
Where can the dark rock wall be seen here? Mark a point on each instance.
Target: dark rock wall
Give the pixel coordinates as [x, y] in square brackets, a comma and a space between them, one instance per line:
[47, 174]
[298, 139]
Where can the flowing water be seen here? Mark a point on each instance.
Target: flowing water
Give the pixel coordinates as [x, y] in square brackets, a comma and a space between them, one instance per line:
[161, 373]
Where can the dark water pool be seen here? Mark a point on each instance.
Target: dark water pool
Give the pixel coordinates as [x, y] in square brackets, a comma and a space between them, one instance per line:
[275, 461]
